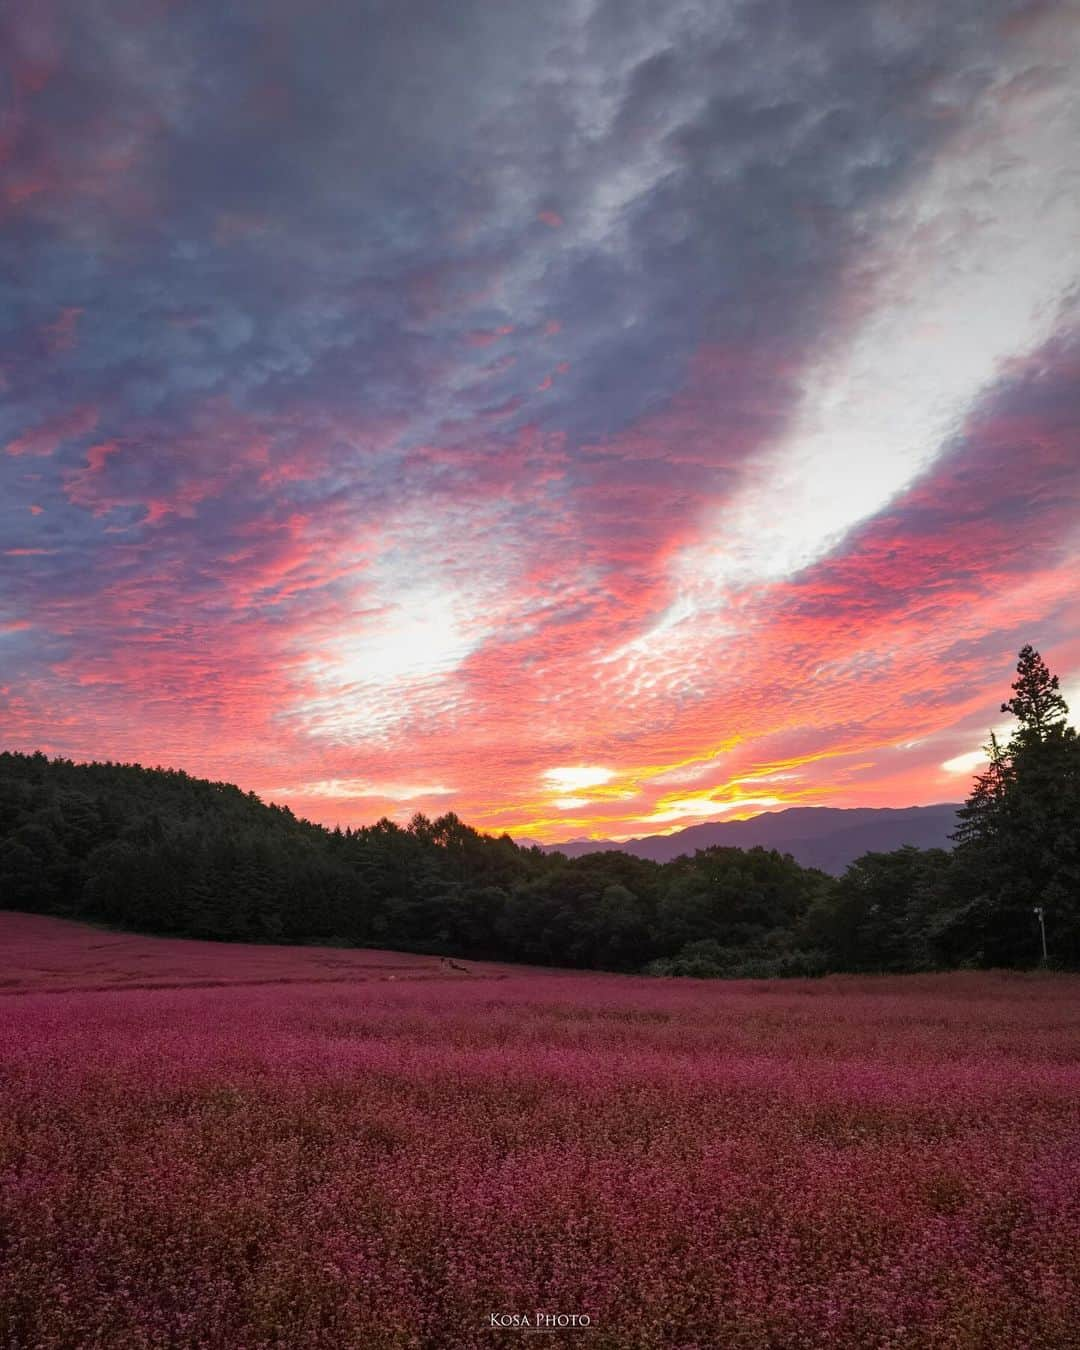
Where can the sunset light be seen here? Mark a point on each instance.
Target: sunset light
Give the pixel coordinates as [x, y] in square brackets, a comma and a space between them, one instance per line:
[569, 443]
[539, 670]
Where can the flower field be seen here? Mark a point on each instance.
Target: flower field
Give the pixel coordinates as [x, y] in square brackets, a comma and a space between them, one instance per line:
[242, 1147]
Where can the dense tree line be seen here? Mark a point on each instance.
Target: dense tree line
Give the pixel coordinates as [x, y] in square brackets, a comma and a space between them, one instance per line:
[162, 852]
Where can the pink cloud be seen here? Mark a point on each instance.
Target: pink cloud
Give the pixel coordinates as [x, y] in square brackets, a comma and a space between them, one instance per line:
[489, 336]
[48, 436]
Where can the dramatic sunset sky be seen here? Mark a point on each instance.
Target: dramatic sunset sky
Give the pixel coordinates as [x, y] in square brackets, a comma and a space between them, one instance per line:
[589, 416]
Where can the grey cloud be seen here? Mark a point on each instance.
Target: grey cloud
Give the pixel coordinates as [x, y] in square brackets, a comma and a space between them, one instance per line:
[266, 185]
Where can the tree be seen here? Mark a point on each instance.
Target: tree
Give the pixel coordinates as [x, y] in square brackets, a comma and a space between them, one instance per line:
[1036, 702]
[875, 916]
[982, 815]
[1018, 845]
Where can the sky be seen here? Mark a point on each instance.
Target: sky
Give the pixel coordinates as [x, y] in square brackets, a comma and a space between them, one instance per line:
[590, 418]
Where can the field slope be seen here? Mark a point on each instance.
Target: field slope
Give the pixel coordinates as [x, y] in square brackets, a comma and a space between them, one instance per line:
[242, 1147]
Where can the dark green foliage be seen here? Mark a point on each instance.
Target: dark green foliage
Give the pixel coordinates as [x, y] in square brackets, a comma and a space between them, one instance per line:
[735, 897]
[159, 851]
[1036, 703]
[707, 960]
[593, 911]
[1018, 845]
[876, 916]
[156, 850]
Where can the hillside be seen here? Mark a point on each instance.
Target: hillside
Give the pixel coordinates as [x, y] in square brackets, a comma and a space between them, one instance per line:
[828, 838]
[157, 851]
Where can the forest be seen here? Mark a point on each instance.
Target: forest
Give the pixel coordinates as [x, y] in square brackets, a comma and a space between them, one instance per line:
[158, 851]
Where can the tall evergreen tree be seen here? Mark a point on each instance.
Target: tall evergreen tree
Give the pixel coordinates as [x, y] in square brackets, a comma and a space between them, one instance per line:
[1036, 703]
[1018, 845]
[982, 815]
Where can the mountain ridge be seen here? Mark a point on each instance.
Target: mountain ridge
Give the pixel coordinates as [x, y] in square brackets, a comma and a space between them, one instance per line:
[828, 837]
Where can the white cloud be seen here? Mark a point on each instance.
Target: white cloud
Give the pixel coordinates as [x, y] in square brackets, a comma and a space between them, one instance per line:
[394, 658]
[416, 635]
[361, 787]
[580, 776]
[965, 764]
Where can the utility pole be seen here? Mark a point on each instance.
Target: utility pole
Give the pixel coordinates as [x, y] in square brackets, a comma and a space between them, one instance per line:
[1042, 929]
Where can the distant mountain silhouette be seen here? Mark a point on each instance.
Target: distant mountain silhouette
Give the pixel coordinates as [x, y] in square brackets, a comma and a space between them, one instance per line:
[815, 836]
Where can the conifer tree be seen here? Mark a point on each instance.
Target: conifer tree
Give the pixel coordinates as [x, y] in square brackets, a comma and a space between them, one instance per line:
[1036, 703]
[1018, 845]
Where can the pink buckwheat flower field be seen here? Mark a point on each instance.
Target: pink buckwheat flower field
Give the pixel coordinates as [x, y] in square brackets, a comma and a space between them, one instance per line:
[241, 1147]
